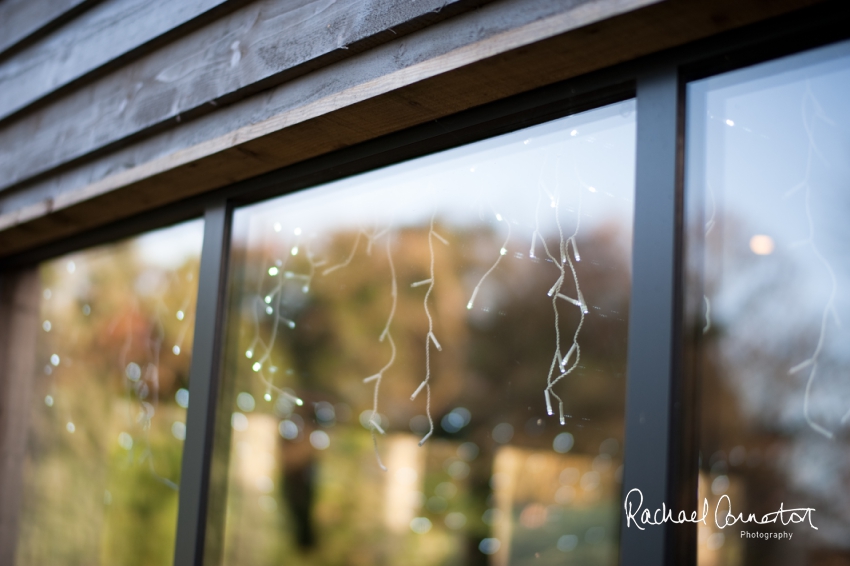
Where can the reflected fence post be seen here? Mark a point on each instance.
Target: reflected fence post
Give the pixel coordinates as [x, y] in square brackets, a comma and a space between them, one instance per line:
[19, 301]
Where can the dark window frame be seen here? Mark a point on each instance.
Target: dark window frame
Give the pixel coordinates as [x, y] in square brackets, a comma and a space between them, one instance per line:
[661, 412]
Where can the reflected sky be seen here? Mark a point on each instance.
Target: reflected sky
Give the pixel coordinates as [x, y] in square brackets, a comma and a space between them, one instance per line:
[777, 169]
[563, 156]
[169, 248]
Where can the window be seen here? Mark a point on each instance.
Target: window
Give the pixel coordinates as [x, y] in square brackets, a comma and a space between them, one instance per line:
[768, 175]
[105, 421]
[426, 363]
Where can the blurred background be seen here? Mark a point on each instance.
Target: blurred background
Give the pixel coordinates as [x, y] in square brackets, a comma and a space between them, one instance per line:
[107, 420]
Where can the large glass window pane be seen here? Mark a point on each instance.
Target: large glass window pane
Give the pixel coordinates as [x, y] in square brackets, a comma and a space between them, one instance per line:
[769, 188]
[426, 363]
[109, 397]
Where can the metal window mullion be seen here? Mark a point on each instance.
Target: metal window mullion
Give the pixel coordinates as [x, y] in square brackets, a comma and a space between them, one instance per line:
[654, 356]
[204, 378]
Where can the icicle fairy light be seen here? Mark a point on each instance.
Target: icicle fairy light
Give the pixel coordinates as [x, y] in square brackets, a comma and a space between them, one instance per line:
[502, 252]
[561, 365]
[810, 119]
[374, 419]
[430, 337]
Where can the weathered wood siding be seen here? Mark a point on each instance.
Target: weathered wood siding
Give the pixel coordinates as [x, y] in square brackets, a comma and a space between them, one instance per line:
[99, 37]
[23, 20]
[264, 43]
[114, 107]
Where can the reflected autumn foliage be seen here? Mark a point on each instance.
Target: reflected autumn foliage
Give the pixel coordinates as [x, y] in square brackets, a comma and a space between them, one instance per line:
[489, 472]
[106, 428]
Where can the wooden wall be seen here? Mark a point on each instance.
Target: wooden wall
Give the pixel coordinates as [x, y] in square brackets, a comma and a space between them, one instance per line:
[113, 107]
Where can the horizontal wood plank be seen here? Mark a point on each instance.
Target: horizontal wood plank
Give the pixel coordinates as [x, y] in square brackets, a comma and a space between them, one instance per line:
[102, 34]
[262, 44]
[388, 98]
[22, 19]
[450, 36]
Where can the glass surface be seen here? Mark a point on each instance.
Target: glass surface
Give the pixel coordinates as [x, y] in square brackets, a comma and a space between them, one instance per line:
[769, 188]
[109, 402]
[391, 334]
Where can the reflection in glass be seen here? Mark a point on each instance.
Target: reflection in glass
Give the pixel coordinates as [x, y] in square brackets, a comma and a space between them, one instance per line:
[768, 180]
[109, 402]
[386, 390]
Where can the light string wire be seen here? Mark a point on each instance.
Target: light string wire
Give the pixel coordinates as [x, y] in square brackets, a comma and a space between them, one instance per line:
[502, 252]
[558, 360]
[371, 237]
[709, 226]
[426, 383]
[809, 122]
[264, 303]
[151, 374]
[374, 425]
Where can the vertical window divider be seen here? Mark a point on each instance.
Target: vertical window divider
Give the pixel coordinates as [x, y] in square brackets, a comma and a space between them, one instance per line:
[655, 460]
[204, 380]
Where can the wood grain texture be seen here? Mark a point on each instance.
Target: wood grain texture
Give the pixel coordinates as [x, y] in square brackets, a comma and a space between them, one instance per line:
[21, 19]
[102, 34]
[385, 92]
[20, 293]
[450, 36]
[262, 44]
